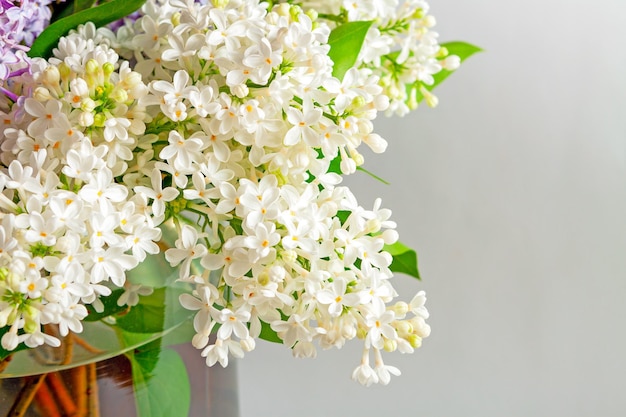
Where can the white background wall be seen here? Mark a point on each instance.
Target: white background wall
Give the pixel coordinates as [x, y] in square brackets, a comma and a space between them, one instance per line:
[513, 191]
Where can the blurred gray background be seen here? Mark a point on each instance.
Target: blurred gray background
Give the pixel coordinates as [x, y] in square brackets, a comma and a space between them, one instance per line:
[513, 192]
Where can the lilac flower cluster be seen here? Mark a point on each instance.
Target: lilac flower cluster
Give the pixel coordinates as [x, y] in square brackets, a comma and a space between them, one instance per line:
[20, 23]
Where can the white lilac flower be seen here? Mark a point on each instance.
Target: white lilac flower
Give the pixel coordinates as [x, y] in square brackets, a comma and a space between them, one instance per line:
[187, 249]
[228, 125]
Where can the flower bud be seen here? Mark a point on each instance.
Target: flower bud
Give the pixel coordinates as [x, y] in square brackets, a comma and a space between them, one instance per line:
[429, 21]
[451, 62]
[390, 236]
[92, 67]
[119, 95]
[176, 16]
[381, 102]
[31, 324]
[86, 119]
[294, 13]
[357, 102]
[87, 104]
[372, 226]
[99, 119]
[418, 14]
[414, 340]
[51, 75]
[302, 160]
[263, 278]
[132, 80]
[400, 308]
[347, 165]
[108, 69]
[420, 327]
[289, 256]
[430, 98]
[412, 101]
[348, 332]
[248, 344]
[240, 90]
[361, 333]
[10, 340]
[390, 345]
[277, 273]
[442, 53]
[283, 9]
[5, 314]
[64, 71]
[220, 4]
[42, 94]
[404, 328]
[357, 157]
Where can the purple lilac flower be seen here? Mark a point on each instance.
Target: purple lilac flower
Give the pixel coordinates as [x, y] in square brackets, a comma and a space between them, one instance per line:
[24, 22]
[20, 24]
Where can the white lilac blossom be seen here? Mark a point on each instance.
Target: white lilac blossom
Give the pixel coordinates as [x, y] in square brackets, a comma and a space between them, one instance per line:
[400, 48]
[222, 118]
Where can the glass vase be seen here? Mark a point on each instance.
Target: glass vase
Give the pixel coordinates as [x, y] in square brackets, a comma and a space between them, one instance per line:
[105, 388]
[135, 361]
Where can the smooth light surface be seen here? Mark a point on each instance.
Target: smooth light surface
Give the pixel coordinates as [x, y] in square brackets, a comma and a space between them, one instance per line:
[513, 192]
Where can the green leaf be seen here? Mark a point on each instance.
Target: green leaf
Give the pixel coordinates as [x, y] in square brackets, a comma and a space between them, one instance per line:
[80, 5]
[335, 165]
[463, 50]
[404, 259]
[343, 215]
[110, 307]
[5, 353]
[100, 16]
[156, 312]
[147, 357]
[160, 381]
[345, 44]
[146, 317]
[267, 333]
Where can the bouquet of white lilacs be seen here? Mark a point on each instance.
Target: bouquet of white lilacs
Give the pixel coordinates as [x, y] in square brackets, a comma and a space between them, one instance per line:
[230, 122]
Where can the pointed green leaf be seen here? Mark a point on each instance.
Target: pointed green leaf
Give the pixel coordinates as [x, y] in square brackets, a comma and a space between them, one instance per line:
[5, 353]
[100, 16]
[267, 333]
[404, 259]
[147, 357]
[160, 381]
[110, 307]
[345, 44]
[146, 317]
[156, 312]
[461, 49]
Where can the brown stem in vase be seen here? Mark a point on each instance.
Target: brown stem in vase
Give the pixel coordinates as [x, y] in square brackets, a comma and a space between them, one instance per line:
[45, 401]
[26, 395]
[80, 401]
[4, 363]
[68, 351]
[79, 382]
[92, 391]
[82, 343]
[62, 395]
